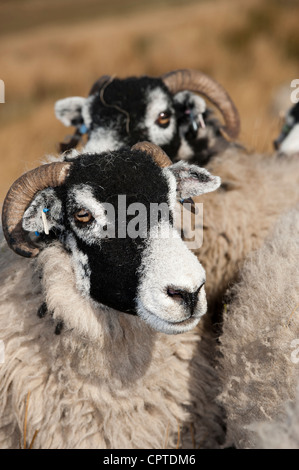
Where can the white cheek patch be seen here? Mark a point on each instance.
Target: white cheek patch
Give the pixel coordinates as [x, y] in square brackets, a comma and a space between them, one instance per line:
[103, 140]
[82, 197]
[158, 102]
[167, 263]
[81, 266]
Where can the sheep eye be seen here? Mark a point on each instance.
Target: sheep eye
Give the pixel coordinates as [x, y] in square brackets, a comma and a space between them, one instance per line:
[83, 216]
[164, 119]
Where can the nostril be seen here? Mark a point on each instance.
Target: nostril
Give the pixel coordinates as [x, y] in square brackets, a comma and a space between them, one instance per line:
[189, 299]
[176, 294]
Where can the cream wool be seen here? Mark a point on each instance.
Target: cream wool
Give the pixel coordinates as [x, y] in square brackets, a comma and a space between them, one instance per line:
[282, 433]
[107, 381]
[257, 368]
[256, 189]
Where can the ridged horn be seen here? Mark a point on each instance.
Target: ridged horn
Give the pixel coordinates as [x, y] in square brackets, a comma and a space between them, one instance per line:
[157, 154]
[19, 197]
[198, 82]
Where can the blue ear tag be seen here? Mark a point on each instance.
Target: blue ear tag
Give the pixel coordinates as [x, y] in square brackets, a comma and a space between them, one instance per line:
[37, 233]
[83, 129]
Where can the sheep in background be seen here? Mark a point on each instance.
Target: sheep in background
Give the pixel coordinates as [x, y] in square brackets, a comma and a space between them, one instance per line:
[259, 366]
[84, 320]
[161, 110]
[288, 140]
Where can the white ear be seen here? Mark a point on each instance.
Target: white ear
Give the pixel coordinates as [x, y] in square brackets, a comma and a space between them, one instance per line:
[69, 110]
[193, 180]
[44, 212]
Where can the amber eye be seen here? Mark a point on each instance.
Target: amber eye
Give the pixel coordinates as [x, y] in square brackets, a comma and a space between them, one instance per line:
[83, 216]
[164, 119]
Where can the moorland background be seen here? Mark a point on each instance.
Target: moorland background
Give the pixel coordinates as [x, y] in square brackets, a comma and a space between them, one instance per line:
[50, 50]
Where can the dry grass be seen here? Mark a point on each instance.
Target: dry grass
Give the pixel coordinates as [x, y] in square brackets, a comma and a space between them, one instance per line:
[250, 46]
[25, 427]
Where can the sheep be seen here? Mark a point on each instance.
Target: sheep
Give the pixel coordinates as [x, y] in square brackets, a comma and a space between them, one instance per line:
[163, 110]
[101, 333]
[239, 216]
[258, 362]
[288, 140]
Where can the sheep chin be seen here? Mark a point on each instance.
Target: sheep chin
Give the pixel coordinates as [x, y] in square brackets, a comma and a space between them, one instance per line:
[170, 328]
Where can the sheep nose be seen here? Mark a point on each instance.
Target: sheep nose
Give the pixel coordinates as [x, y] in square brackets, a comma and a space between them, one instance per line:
[189, 299]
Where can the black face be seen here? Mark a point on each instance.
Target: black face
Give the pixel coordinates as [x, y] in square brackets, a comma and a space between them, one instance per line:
[122, 104]
[113, 263]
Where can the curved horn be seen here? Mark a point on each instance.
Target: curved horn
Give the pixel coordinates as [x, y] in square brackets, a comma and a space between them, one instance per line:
[19, 197]
[99, 84]
[157, 154]
[199, 82]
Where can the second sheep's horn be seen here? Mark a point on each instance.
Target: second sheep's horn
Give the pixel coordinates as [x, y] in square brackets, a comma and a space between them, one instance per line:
[199, 82]
[19, 197]
[157, 154]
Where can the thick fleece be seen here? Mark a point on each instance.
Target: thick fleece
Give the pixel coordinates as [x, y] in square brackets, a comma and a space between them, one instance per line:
[282, 433]
[237, 218]
[108, 380]
[259, 364]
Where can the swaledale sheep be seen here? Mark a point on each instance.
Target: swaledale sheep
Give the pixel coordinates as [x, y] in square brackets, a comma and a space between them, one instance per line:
[255, 188]
[100, 330]
[259, 363]
[255, 191]
[161, 110]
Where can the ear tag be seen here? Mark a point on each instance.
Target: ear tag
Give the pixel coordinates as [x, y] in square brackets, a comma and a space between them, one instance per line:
[83, 129]
[45, 222]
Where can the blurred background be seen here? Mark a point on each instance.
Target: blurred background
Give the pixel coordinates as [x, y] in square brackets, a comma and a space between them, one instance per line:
[50, 50]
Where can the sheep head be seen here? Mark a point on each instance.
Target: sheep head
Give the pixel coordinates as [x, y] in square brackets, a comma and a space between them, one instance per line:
[88, 204]
[165, 110]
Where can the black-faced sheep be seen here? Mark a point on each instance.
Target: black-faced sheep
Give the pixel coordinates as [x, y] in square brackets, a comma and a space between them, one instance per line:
[255, 188]
[259, 363]
[83, 321]
[161, 110]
